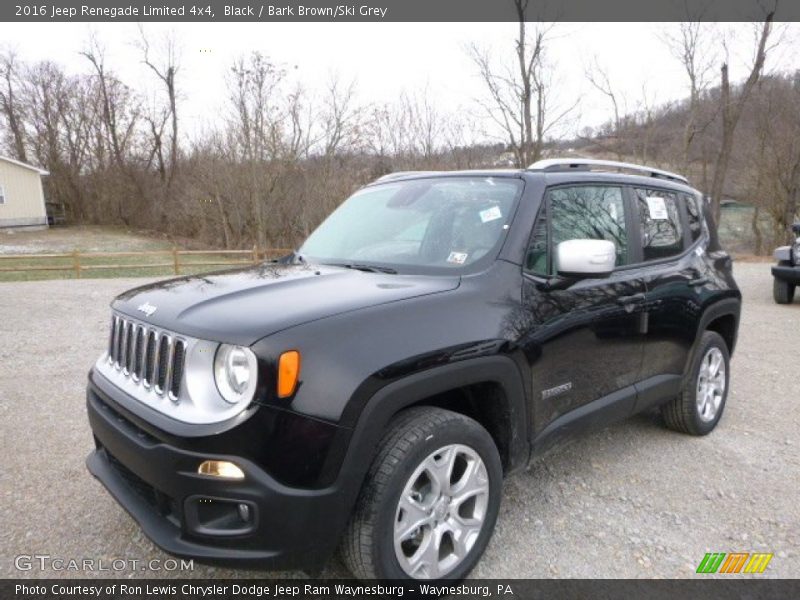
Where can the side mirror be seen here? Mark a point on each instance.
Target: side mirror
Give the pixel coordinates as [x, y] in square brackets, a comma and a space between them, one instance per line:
[586, 258]
[796, 228]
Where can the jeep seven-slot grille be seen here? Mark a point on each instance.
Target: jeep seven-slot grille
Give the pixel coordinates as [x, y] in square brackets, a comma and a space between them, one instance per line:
[150, 357]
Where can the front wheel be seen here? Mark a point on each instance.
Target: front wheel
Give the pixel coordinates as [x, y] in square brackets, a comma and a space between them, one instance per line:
[430, 500]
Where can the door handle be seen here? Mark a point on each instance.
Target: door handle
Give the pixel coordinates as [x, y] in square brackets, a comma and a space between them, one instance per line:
[628, 300]
[698, 282]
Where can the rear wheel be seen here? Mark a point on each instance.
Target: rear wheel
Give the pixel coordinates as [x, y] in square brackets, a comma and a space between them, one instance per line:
[699, 406]
[430, 500]
[782, 291]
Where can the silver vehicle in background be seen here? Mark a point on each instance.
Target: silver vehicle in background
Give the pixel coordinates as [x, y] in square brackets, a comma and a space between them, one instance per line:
[787, 272]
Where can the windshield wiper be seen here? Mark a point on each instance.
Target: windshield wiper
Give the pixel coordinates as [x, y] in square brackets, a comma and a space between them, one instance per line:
[367, 268]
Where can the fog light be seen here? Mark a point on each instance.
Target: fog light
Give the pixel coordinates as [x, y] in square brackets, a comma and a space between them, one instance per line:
[244, 512]
[220, 468]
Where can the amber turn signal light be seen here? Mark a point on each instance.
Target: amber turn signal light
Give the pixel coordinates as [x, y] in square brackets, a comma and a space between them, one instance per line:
[220, 468]
[288, 373]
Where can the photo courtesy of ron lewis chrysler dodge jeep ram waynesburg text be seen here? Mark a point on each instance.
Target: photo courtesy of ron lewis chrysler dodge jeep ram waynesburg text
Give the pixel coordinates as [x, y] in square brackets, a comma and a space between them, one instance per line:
[370, 391]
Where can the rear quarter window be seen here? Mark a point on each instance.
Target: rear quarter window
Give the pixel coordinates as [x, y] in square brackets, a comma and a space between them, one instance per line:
[694, 215]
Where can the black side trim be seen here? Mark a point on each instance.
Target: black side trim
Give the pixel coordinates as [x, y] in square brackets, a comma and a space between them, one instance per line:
[609, 409]
[656, 390]
[721, 308]
[392, 398]
[594, 415]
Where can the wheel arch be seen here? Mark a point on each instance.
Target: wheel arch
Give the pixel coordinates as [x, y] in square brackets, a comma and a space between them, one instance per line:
[723, 318]
[487, 389]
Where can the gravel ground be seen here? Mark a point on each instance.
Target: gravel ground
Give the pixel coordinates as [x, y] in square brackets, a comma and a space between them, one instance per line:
[634, 500]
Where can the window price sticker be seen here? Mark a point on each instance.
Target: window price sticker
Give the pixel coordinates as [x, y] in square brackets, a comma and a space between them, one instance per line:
[657, 208]
[491, 214]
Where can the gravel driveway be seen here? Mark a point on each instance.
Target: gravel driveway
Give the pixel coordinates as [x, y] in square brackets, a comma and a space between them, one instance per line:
[634, 500]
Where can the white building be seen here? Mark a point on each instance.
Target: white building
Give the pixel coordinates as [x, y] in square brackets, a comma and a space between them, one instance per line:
[21, 195]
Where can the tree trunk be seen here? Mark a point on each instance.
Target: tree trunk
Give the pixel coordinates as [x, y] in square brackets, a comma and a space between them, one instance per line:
[755, 226]
[732, 110]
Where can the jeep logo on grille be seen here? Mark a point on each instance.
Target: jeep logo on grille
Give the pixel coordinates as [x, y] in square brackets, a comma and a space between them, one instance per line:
[147, 308]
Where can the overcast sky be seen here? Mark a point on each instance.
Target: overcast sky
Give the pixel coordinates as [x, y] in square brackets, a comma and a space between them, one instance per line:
[387, 58]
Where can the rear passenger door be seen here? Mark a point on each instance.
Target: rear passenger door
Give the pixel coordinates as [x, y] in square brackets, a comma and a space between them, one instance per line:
[674, 278]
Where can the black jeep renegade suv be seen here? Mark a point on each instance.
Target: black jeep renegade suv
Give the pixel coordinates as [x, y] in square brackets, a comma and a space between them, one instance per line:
[370, 391]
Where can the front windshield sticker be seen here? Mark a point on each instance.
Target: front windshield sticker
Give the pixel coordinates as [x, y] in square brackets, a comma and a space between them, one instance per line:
[491, 214]
[657, 208]
[458, 258]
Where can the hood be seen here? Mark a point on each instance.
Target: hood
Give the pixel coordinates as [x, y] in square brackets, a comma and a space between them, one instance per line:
[245, 305]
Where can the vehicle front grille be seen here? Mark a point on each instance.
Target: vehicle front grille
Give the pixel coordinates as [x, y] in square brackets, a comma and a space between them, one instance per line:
[151, 357]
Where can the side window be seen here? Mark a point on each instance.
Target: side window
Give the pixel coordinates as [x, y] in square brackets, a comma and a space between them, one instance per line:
[661, 223]
[537, 257]
[694, 215]
[579, 212]
[2, 195]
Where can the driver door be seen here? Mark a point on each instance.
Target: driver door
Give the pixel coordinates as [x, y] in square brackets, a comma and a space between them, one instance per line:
[584, 343]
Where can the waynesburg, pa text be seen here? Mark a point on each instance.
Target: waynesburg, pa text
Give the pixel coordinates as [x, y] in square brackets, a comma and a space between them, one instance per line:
[246, 11]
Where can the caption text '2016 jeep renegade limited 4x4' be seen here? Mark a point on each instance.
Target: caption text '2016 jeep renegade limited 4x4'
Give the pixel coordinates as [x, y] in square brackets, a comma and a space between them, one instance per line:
[370, 391]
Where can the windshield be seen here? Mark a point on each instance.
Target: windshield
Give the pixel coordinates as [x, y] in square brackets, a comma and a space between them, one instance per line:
[440, 223]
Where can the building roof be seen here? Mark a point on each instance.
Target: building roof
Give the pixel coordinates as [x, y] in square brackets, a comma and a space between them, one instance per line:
[24, 165]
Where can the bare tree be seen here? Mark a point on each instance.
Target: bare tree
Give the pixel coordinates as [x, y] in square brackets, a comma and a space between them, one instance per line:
[520, 98]
[120, 115]
[773, 161]
[9, 107]
[599, 79]
[255, 131]
[166, 72]
[340, 117]
[693, 48]
[731, 109]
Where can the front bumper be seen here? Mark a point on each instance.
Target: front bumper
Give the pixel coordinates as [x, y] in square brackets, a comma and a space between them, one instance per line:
[785, 273]
[158, 484]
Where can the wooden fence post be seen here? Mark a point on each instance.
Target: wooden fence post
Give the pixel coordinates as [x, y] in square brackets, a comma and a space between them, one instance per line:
[255, 254]
[76, 263]
[175, 260]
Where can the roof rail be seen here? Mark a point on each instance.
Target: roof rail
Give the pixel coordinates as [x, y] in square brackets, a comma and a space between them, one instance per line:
[590, 164]
[399, 174]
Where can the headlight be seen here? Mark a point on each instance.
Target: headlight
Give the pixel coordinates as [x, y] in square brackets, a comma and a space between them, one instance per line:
[796, 252]
[235, 372]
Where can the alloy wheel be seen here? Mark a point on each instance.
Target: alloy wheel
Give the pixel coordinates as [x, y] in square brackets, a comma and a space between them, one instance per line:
[441, 512]
[710, 384]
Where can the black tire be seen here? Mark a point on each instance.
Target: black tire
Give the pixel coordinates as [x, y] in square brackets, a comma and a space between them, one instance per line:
[683, 413]
[368, 547]
[782, 291]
